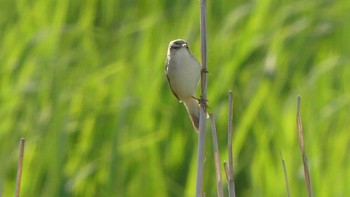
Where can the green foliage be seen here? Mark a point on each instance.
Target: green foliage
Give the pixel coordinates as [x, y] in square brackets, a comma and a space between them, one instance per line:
[83, 83]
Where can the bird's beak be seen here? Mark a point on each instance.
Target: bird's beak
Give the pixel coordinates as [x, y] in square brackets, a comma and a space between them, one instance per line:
[184, 45]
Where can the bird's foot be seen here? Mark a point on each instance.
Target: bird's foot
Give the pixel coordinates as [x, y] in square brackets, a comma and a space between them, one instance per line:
[204, 70]
[202, 102]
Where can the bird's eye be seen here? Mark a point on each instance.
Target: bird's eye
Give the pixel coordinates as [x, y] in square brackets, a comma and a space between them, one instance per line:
[175, 47]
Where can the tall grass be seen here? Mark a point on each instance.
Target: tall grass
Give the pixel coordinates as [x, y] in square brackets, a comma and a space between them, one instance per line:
[83, 83]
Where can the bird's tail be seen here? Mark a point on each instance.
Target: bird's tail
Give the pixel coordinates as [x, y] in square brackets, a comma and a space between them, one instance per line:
[192, 107]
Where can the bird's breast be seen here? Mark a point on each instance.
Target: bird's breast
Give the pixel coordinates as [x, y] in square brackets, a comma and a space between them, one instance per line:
[184, 73]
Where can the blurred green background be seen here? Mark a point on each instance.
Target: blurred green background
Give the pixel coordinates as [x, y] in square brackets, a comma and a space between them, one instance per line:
[83, 82]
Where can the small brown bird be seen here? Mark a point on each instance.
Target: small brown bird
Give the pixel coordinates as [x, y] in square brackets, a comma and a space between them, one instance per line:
[183, 72]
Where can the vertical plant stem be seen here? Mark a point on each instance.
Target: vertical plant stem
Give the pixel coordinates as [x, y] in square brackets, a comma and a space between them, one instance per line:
[231, 184]
[203, 30]
[285, 175]
[302, 149]
[19, 167]
[216, 156]
[202, 115]
[226, 171]
[200, 155]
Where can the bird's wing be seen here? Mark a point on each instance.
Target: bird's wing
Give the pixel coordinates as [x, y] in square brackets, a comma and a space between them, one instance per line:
[167, 76]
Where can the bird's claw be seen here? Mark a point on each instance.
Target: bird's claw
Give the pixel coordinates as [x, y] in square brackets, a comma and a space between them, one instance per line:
[202, 102]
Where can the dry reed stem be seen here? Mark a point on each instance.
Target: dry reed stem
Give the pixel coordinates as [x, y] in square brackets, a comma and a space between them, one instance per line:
[285, 174]
[19, 167]
[302, 149]
[229, 173]
[202, 115]
[220, 190]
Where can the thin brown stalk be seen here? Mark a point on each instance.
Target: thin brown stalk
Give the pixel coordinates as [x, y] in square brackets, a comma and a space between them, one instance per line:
[19, 167]
[200, 155]
[231, 184]
[285, 174]
[202, 115]
[216, 156]
[226, 171]
[302, 149]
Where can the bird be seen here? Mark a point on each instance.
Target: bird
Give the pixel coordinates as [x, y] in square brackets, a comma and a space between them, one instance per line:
[183, 72]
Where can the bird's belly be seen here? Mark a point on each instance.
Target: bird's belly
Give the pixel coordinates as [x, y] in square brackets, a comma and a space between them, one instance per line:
[184, 78]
